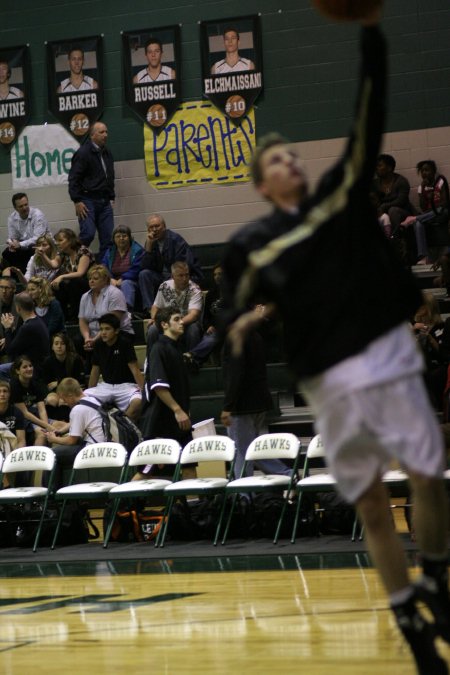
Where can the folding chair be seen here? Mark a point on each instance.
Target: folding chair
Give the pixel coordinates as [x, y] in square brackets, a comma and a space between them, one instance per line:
[29, 459]
[159, 451]
[267, 446]
[316, 482]
[204, 449]
[94, 456]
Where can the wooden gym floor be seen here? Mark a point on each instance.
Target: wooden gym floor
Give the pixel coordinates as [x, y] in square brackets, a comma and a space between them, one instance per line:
[260, 615]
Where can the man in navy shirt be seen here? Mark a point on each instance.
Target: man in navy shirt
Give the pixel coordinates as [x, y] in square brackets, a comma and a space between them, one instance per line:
[91, 188]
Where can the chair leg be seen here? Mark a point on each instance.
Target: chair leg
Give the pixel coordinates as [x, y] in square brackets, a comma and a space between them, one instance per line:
[109, 527]
[355, 525]
[165, 525]
[281, 518]
[219, 524]
[41, 523]
[58, 524]
[227, 526]
[297, 514]
[164, 519]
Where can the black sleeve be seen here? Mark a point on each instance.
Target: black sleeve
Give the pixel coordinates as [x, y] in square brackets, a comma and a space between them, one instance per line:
[48, 369]
[95, 359]
[20, 419]
[233, 371]
[40, 389]
[129, 352]
[78, 370]
[157, 372]
[16, 391]
[75, 177]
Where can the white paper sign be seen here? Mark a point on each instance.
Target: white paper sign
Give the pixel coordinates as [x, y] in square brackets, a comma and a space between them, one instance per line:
[42, 156]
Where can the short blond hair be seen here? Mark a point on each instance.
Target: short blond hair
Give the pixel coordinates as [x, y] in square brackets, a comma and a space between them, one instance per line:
[101, 270]
[69, 386]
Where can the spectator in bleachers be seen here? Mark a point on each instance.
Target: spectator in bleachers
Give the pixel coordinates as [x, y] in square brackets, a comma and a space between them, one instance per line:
[433, 337]
[10, 415]
[210, 343]
[25, 225]
[62, 362]
[167, 383]
[37, 265]
[31, 337]
[431, 225]
[84, 426]
[115, 361]
[163, 247]
[391, 195]
[45, 305]
[101, 299]
[72, 262]
[123, 260]
[28, 393]
[7, 306]
[14, 421]
[183, 295]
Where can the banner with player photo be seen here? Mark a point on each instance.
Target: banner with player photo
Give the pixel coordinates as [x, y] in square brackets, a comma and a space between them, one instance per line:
[152, 73]
[232, 64]
[15, 93]
[75, 82]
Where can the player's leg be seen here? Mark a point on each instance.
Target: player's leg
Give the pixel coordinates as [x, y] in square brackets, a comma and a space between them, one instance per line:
[431, 525]
[87, 224]
[104, 218]
[128, 398]
[388, 557]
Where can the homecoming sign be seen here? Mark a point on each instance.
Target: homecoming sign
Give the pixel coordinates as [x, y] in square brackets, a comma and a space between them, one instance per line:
[232, 64]
[15, 99]
[200, 145]
[152, 74]
[75, 83]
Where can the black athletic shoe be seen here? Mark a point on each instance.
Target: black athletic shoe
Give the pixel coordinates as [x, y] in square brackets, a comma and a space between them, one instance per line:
[438, 601]
[420, 636]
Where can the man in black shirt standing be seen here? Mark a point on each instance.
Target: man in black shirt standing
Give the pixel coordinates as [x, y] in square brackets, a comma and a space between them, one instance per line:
[167, 382]
[91, 188]
[114, 358]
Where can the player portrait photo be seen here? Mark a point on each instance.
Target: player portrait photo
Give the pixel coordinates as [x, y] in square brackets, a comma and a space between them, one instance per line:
[15, 79]
[151, 65]
[232, 63]
[77, 80]
[75, 91]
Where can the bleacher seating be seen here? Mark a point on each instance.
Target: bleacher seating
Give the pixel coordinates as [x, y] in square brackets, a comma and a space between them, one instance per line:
[290, 413]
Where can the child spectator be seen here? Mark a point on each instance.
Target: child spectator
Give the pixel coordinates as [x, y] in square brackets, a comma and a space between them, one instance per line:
[37, 265]
[45, 305]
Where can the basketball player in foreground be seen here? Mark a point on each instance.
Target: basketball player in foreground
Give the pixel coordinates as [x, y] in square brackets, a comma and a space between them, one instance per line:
[326, 267]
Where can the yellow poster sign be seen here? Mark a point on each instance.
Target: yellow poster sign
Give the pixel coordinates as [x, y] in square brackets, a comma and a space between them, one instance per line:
[199, 145]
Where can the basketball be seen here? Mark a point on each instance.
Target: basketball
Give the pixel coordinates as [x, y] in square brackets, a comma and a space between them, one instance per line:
[346, 10]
